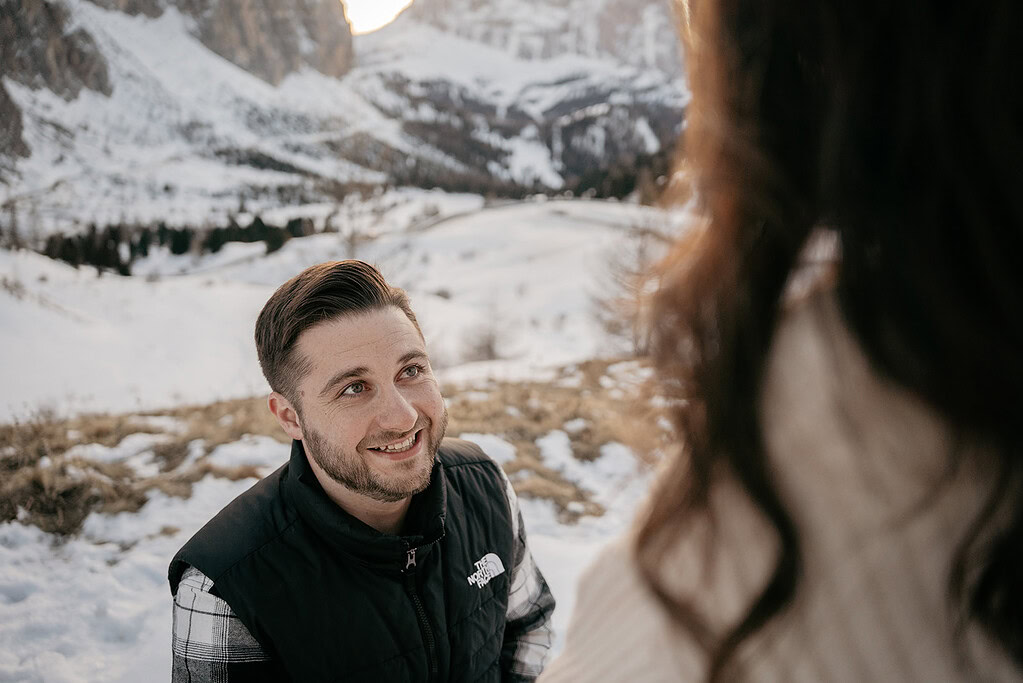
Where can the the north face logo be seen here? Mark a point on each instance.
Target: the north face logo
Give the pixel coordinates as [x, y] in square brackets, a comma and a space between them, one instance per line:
[488, 567]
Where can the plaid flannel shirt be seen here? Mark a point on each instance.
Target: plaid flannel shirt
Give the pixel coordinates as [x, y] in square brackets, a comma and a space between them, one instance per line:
[211, 645]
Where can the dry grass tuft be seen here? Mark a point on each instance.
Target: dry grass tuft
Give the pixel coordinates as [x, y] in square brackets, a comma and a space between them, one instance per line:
[107, 430]
[50, 500]
[171, 454]
[45, 487]
[26, 442]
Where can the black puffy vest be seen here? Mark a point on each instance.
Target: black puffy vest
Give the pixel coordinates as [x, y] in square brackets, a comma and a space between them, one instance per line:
[331, 599]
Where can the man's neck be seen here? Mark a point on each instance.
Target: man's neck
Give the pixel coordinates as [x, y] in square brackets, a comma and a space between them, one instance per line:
[385, 517]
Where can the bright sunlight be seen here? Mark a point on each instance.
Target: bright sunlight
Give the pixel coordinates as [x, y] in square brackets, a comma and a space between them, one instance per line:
[369, 15]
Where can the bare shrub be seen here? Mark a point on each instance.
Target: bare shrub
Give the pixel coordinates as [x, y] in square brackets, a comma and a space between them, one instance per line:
[57, 496]
[13, 286]
[482, 343]
[621, 305]
[40, 484]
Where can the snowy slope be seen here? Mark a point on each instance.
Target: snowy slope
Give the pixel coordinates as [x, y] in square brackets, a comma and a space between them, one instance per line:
[525, 273]
[161, 145]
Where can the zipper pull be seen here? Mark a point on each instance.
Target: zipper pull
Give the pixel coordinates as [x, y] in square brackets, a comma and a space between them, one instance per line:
[410, 559]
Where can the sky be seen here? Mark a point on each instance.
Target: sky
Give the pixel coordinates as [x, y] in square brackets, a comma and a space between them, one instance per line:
[369, 15]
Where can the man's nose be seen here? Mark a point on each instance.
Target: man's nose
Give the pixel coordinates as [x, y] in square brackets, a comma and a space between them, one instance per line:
[396, 413]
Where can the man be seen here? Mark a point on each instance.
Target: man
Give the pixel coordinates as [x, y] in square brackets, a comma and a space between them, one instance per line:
[381, 551]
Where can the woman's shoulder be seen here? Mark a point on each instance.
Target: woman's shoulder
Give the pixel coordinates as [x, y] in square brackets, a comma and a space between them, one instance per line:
[619, 631]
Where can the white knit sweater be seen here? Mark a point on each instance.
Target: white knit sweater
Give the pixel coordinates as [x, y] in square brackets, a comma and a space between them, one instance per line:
[855, 459]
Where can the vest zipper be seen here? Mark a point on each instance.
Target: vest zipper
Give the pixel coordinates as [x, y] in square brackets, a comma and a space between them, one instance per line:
[424, 623]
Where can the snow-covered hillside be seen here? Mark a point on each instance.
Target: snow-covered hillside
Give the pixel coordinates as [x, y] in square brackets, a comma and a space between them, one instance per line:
[523, 276]
[188, 137]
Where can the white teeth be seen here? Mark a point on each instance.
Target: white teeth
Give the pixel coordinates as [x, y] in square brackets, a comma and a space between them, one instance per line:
[399, 446]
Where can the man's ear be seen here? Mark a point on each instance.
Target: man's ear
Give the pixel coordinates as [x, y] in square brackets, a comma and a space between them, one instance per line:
[286, 414]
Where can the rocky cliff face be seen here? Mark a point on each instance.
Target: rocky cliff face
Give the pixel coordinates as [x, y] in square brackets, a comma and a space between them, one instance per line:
[37, 50]
[273, 38]
[150, 8]
[268, 38]
[604, 96]
[40, 47]
[640, 33]
[11, 141]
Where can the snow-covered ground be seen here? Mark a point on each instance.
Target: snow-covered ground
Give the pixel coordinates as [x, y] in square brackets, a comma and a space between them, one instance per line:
[97, 607]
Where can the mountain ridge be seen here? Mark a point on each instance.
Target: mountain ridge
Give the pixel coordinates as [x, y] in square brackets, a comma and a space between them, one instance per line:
[187, 136]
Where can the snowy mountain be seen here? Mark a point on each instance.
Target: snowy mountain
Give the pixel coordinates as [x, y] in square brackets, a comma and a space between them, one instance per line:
[639, 33]
[167, 110]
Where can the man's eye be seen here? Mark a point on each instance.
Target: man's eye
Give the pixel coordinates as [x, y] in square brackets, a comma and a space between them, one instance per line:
[413, 370]
[354, 388]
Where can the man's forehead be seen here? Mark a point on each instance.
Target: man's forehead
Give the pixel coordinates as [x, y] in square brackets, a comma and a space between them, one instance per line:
[377, 335]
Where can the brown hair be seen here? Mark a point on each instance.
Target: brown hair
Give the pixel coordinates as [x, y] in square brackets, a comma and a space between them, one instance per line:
[319, 293]
[898, 125]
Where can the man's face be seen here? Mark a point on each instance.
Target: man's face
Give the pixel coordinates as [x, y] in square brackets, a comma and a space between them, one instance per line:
[371, 412]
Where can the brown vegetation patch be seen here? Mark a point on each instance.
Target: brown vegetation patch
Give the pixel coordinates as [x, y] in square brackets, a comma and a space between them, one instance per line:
[58, 496]
[25, 442]
[225, 422]
[522, 412]
[171, 454]
[41, 485]
[45, 487]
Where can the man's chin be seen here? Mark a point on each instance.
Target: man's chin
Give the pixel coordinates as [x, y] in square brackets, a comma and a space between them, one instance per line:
[408, 477]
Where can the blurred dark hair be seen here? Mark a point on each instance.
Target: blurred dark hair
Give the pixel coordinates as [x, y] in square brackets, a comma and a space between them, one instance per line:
[898, 125]
[319, 293]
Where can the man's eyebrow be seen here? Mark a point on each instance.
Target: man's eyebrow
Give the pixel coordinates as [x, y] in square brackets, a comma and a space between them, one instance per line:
[342, 376]
[413, 355]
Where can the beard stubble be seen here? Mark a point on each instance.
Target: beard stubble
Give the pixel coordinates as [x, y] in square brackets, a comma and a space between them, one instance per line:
[352, 470]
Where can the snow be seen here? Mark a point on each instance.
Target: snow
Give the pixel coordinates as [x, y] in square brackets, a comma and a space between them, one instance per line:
[135, 450]
[86, 610]
[423, 53]
[576, 425]
[496, 447]
[97, 607]
[262, 451]
[81, 342]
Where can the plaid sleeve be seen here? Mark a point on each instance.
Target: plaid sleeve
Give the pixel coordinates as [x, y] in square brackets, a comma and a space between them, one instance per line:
[210, 644]
[528, 634]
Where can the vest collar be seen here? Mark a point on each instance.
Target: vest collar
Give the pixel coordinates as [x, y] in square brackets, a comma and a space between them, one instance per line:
[424, 521]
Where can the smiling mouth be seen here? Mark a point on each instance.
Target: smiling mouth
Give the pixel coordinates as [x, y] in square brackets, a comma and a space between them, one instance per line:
[401, 446]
